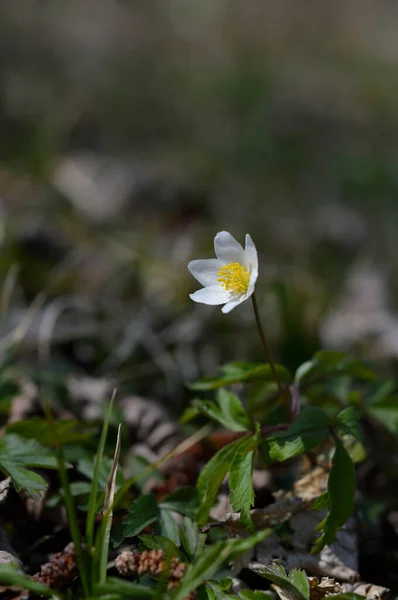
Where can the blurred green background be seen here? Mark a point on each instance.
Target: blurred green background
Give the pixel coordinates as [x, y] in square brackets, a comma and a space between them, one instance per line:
[131, 132]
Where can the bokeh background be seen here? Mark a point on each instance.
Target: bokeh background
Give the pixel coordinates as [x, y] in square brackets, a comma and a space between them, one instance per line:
[133, 131]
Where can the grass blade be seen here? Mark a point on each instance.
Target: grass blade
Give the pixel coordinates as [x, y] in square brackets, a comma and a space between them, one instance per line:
[102, 541]
[92, 502]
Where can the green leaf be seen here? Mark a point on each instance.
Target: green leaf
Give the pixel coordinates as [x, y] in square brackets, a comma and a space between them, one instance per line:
[159, 542]
[66, 432]
[17, 453]
[321, 502]
[167, 526]
[241, 481]
[9, 575]
[294, 584]
[310, 427]
[212, 475]
[348, 422]
[341, 490]
[232, 410]
[142, 512]
[85, 466]
[327, 362]
[304, 370]
[189, 413]
[330, 358]
[125, 588]
[211, 559]
[191, 539]
[229, 411]
[215, 591]
[240, 373]
[382, 404]
[184, 501]
[300, 581]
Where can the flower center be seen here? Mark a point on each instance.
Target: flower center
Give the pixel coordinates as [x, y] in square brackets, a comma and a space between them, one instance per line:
[233, 277]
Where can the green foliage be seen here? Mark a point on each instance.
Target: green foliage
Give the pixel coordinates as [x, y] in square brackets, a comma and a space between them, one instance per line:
[228, 411]
[240, 480]
[192, 541]
[381, 403]
[241, 372]
[183, 501]
[295, 585]
[11, 576]
[142, 512]
[309, 429]
[125, 589]
[146, 510]
[327, 363]
[160, 542]
[96, 551]
[340, 498]
[212, 475]
[17, 454]
[210, 560]
[67, 432]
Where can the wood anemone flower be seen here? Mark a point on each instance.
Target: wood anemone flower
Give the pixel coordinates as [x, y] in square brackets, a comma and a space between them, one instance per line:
[230, 278]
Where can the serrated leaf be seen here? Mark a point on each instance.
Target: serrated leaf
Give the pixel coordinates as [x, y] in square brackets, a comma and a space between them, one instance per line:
[183, 500]
[39, 429]
[212, 475]
[210, 560]
[348, 422]
[384, 408]
[308, 430]
[167, 526]
[232, 410]
[215, 591]
[241, 481]
[296, 588]
[191, 539]
[242, 372]
[142, 512]
[159, 542]
[341, 490]
[327, 362]
[300, 581]
[228, 411]
[17, 453]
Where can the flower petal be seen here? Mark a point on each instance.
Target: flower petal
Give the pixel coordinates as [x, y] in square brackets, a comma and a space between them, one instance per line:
[228, 250]
[213, 294]
[232, 304]
[250, 289]
[251, 254]
[205, 271]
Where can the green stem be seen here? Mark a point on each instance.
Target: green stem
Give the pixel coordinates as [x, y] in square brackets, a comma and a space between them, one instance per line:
[69, 501]
[284, 392]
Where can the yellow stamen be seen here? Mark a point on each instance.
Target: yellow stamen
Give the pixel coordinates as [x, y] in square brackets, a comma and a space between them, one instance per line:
[233, 277]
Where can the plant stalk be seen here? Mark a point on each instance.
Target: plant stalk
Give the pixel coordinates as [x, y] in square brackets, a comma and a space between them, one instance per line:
[284, 392]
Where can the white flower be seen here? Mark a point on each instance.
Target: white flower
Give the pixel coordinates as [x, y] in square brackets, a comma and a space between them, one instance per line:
[230, 278]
